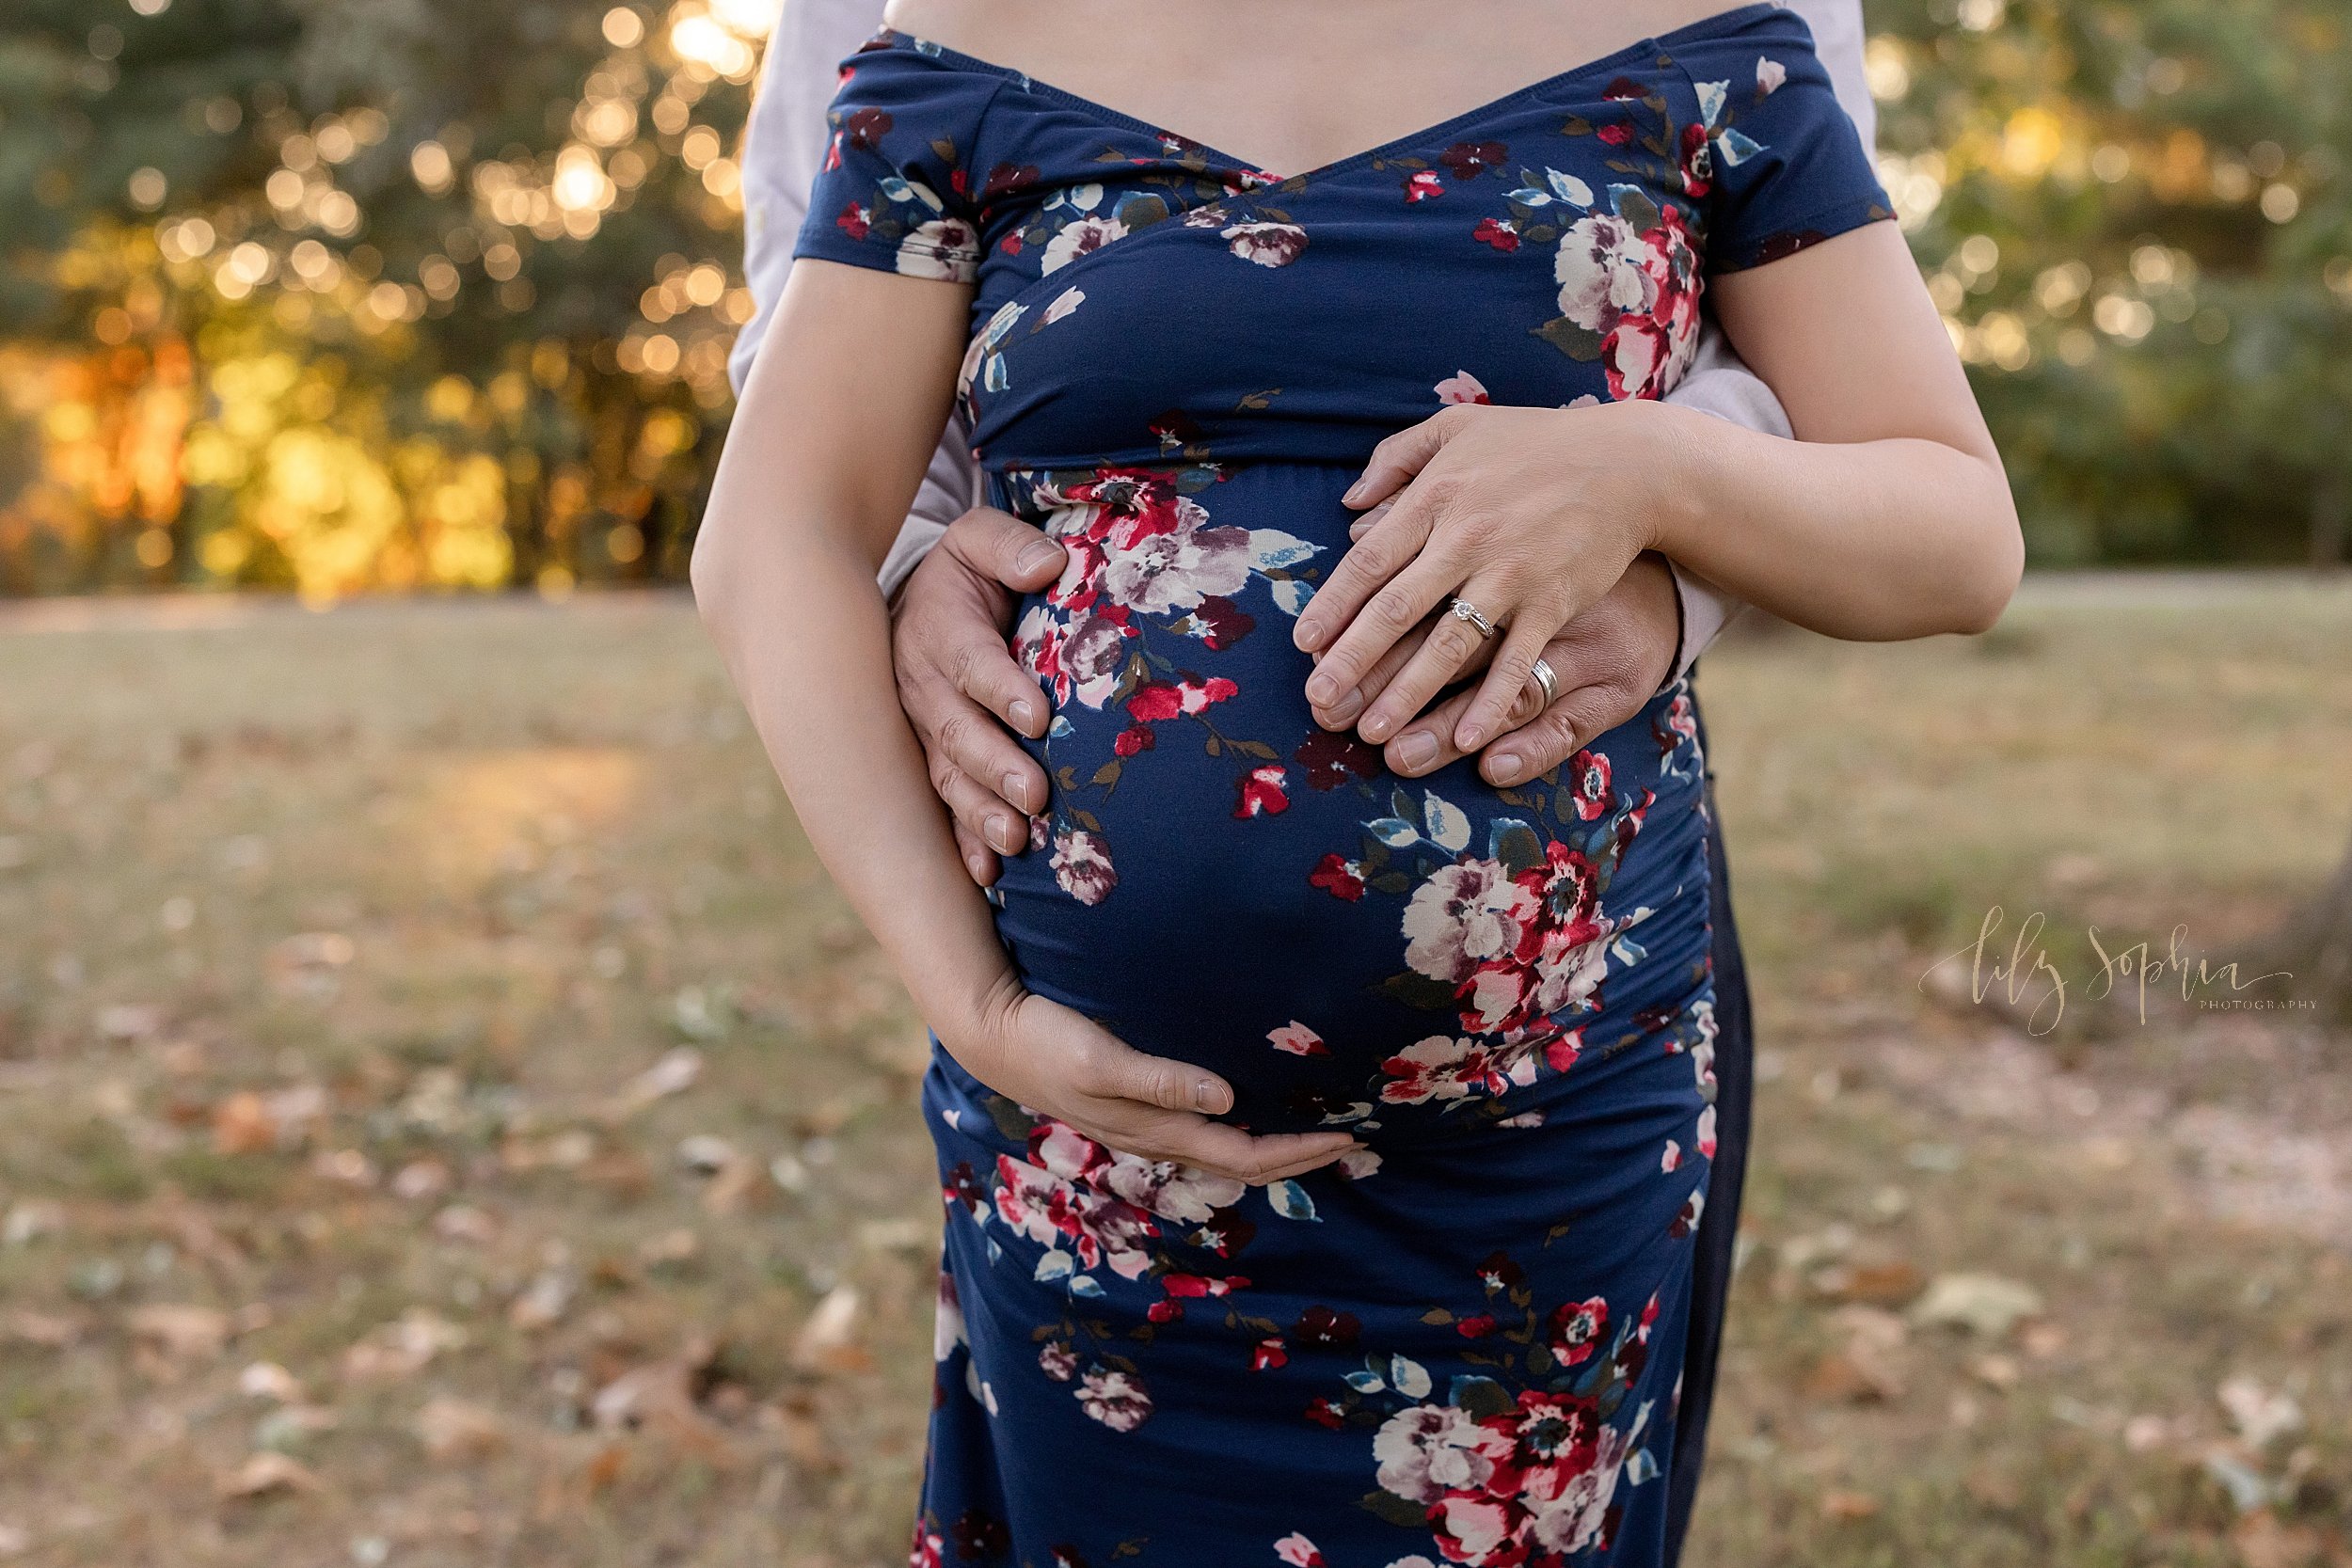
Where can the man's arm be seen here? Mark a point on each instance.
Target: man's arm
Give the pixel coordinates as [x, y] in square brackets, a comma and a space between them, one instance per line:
[783, 148]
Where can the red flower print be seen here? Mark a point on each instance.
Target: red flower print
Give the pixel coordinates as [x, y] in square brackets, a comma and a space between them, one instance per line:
[1424, 185]
[1261, 793]
[925, 1551]
[1688, 1220]
[1134, 739]
[1698, 161]
[1226, 622]
[1576, 1327]
[1324, 1329]
[1588, 779]
[1477, 1327]
[1154, 700]
[865, 128]
[1338, 877]
[1268, 1354]
[978, 1535]
[856, 220]
[1469, 159]
[1330, 760]
[1502, 234]
[1006, 179]
[1165, 1311]
[1498, 1272]
[1324, 1414]
[1615, 136]
[1462, 386]
[1624, 89]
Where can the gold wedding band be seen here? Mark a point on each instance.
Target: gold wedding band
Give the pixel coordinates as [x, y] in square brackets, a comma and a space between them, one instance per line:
[1542, 673]
[1465, 611]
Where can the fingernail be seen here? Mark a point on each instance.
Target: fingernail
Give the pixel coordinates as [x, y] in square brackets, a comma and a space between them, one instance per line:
[1470, 737]
[1353, 491]
[1416, 749]
[1344, 709]
[1017, 790]
[999, 835]
[978, 868]
[1323, 689]
[1203, 1094]
[1308, 635]
[1377, 728]
[1504, 768]
[1036, 558]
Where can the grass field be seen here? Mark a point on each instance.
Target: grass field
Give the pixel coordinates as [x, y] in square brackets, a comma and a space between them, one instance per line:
[447, 1118]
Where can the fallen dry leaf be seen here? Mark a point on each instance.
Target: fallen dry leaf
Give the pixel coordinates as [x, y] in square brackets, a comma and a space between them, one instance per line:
[183, 1331]
[1846, 1507]
[2262, 1541]
[458, 1429]
[1984, 1304]
[242, 1125]
[826, 1342]
[266, 1472]
[45, 1330]
[398, 1349]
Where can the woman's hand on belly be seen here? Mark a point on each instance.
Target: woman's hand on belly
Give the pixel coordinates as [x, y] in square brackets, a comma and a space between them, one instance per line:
[1530, 514]
[1058, 1062]
[1607, 664]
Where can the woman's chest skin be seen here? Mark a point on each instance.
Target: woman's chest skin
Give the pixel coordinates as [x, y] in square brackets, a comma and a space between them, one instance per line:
[1298, 84]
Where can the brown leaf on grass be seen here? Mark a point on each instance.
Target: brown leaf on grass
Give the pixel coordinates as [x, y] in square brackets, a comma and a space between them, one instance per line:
[676, 1070]
[545, 1300]
[453, 1429]
[242, 1125]
[1847, 1507]
[1983, 1304]
[827, 1342]
[804, 1438]
[737, 1183]
[1888, 1284]
[401, 1348]
[265, 1472]
[42, 1330]
[1836, 1379]
[2262, 1542]
[604, 1467]
[183, 1333]
[659, 1399]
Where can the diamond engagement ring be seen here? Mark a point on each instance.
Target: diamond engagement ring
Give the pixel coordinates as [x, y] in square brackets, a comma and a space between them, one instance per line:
[1465, 611]
[1541, 670]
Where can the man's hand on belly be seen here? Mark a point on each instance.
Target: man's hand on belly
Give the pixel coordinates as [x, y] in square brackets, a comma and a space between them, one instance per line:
[1610, 661]
[960, 686]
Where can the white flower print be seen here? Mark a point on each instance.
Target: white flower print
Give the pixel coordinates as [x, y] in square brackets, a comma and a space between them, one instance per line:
[1463, 916]
[1082, 864]
[1155, 568]
[1078, 238]
[1603, 270]
[944, 247]
[1427, 1451]
[1115, 1399]
[1269, 244]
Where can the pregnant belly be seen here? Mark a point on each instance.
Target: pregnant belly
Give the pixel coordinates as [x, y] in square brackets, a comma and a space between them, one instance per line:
[1219, 880]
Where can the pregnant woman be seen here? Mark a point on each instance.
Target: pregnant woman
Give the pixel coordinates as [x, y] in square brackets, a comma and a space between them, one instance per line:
[1474, 1022]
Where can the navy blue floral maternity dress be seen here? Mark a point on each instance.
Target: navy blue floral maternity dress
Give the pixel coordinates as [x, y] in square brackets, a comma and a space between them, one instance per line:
[1462, 1345]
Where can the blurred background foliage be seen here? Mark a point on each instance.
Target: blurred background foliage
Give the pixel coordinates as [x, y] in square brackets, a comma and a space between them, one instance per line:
[339, 295]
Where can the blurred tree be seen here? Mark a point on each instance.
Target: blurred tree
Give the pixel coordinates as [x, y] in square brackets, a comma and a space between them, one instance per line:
[2133, 213]
[433, 288]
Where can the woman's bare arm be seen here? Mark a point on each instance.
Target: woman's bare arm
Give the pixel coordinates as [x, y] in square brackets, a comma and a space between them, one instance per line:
[839, 414]
[1889, 515]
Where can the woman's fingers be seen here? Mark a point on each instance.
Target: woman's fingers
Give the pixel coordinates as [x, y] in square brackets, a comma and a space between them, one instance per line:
[1403, 454]
[1387, 617]
[1449, 653]
[1426, 744]
[1390, 543]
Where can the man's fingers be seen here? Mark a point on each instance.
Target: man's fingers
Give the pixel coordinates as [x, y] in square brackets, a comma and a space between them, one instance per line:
[1555, 733]
[983, 669]
[978, 858]
[1505, 691]
[1000, 546]
[968, 739]
[981, 813]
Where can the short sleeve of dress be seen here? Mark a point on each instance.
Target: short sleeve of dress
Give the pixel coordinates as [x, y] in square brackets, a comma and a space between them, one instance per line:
[1783, 164]
[892, 192]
